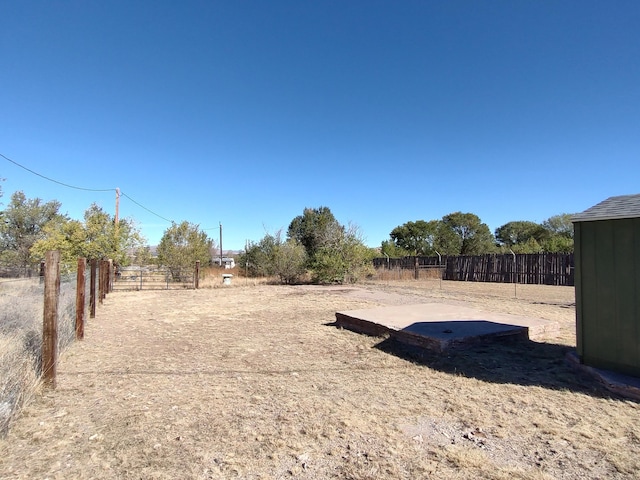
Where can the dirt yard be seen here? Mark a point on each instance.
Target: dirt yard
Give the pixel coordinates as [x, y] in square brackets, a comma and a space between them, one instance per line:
[254, 382]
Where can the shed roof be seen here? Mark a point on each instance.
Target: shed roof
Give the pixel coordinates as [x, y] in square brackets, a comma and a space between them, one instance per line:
[623, 206]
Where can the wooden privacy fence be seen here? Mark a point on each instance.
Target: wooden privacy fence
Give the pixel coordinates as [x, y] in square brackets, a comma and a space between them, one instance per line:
[532, 268]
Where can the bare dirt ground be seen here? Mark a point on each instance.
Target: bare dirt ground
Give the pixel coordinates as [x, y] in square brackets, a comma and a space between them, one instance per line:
[253, 382]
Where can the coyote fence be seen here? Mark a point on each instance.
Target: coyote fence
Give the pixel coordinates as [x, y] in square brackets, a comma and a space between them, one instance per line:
[530, 268]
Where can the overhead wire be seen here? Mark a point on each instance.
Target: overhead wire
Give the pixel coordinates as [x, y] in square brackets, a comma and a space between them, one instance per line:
[142, 206]
[83, 188]
[56, 181]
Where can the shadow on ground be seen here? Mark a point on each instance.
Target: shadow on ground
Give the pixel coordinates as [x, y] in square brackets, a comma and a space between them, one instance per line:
[519, 362]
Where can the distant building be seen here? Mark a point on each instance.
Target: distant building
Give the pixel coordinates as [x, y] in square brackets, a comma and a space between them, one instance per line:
[227, 262]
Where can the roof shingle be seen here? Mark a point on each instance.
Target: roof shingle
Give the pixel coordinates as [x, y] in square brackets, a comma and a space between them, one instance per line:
[623, 206]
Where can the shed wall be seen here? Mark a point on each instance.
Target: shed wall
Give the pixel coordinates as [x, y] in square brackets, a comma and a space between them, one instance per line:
[608, 294]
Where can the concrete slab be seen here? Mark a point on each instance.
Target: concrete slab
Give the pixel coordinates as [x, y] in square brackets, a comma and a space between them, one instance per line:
[439, 326]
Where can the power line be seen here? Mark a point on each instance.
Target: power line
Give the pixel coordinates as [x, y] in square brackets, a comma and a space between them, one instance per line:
[56, 181]
[142, 206]
[83, 188]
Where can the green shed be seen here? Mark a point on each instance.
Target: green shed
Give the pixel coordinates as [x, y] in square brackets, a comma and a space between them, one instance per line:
[607, 280]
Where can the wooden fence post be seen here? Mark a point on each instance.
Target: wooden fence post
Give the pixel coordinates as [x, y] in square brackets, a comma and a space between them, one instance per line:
[80, 297]
[92, 289]
[100, 281]
[110, 277]
[105, 289]
[50, 318]
[103, 279]
[417, 271]
[196, 277]
[106, 278]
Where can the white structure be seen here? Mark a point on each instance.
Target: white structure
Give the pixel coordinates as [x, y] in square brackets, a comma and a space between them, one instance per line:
[227, 262]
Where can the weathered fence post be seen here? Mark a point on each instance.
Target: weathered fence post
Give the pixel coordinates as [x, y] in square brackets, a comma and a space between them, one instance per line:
[103, 282]
[92, 289]
[196, 276]
[50, 318]
[100, 281]
[110, 277]
[80, 297]
[416, 273]
[515, 275]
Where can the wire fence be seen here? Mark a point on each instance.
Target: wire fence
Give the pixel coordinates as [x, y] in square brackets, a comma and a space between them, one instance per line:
[24, 332]
[154, 278]
[11, 271]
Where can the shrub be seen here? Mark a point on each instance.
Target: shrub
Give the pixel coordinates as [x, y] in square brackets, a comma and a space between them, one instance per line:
[272, 256]
[347, 260]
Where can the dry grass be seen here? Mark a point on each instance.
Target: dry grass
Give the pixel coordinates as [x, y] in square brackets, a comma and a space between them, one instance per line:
[21, 308]
[405, 274]
[211, 277]
[254, 382]
[18, 379]
[20, 340]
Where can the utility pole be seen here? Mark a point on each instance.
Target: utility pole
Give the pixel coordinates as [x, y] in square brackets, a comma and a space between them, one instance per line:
[117, 205]
[116, 230]
[221, 245]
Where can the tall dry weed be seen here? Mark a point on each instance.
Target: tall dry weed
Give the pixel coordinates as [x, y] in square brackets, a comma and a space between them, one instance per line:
[18, 378]
[21, 313]
[211, 277]
[404, 274]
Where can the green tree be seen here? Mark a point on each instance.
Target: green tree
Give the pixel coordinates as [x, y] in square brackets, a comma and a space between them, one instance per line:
[416, 238]
[520, 232]
[558, 244]
[181, 246]
[272, 256]
[560, 233]
[65, 235]
[99, 233]
[290, 261]
[559, 225]
[464, 234]
[315, 228]
[346, 260]
[335, 254]
[258, 256]
[142, 255]
[96, 238]
[23, 225]
[105, 239]
[389, 248]
[530, 246]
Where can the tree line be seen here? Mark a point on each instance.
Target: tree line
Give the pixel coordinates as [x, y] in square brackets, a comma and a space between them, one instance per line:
[29, 227]
[315, 246]
[465, 234]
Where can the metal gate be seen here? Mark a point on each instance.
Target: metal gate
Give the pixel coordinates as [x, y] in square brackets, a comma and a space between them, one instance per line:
[153, 278]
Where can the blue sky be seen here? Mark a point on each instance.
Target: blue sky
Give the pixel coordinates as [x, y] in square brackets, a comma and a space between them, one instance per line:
[246, 112]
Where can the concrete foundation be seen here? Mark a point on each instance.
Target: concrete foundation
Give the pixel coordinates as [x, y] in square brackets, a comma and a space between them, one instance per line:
[438, 327]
